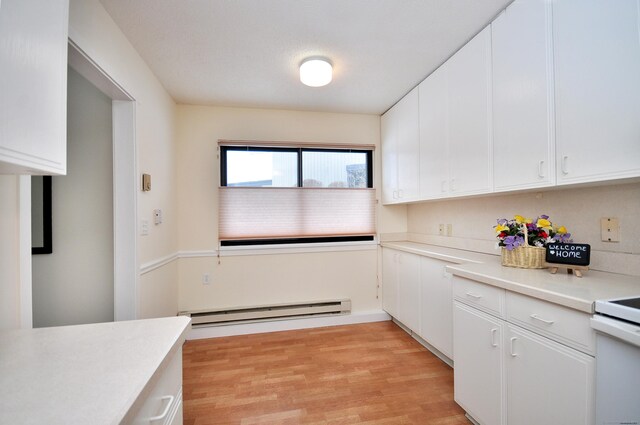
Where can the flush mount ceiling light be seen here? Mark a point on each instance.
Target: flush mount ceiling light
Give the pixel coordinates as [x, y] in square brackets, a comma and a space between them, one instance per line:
[315, 72]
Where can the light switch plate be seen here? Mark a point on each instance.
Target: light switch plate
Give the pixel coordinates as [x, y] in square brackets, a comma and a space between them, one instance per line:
[144, 227]
[610, 229]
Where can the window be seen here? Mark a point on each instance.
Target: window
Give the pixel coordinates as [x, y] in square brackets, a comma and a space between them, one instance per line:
[285, 194]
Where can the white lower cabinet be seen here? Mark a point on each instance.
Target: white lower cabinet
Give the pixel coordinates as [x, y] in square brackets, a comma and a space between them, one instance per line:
[401, 286]
[505, 374]
[163, 405]
[478, 370]
[436, 307]
[547, 382]
[417, 292]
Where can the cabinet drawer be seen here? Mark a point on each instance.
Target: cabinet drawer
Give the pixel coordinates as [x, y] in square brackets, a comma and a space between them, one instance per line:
[163, 404]
[483, 297]
[561, 324]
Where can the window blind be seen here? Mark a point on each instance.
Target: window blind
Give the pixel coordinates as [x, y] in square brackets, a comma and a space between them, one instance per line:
[269, 213]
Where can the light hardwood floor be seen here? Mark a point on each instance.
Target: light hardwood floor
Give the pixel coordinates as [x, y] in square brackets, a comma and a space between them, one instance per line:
[358, 374]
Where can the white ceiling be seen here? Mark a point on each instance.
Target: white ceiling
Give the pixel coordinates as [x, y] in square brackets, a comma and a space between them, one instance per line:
[247, 52]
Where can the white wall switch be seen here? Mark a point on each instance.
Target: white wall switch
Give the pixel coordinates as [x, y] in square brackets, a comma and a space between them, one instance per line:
[206, 279]
[157, 216]
[610, 229]
[144, 227]
[449, 229]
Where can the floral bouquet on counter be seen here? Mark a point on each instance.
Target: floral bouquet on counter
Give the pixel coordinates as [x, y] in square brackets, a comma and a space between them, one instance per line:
[539, 232]
[523, 240]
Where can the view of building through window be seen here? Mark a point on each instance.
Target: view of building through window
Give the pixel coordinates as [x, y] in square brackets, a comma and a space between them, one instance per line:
[279, 168]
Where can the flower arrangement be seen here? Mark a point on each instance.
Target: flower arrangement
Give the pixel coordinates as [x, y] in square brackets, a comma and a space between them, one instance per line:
[539, 232]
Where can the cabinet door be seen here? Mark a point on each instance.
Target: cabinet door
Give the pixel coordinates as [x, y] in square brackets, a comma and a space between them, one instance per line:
[434, 154]
[523, 96]
[436, 305]
[390, 281]
[597, 69]
[389, 138]
[33, 86]
[547, 382]
[478, 368]
[409, 290]
[468, 109]
[408, 147]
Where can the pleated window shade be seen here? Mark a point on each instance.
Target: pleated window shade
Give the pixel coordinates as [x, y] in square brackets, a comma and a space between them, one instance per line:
[297, 212]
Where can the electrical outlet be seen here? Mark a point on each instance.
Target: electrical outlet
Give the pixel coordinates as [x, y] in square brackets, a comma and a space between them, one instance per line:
[206, 279]
[144, 227]
[449, 229]
[610, 229]
[441, 229]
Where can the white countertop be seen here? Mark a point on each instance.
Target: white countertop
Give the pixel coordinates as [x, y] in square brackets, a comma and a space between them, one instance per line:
[86, 374]
[452, 255]
[579, 293]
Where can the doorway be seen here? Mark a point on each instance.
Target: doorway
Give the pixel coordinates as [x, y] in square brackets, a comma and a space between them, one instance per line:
[92, 273]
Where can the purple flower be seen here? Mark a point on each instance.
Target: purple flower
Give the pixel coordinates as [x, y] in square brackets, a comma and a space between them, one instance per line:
[502, 221]
[511, 242]
[564, 238]
[545, 217]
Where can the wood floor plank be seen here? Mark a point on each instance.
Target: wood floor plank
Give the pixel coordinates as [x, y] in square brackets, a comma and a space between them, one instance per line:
[368, 374]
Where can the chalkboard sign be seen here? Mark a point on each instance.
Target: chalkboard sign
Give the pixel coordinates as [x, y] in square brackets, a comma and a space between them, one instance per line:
[575, 254]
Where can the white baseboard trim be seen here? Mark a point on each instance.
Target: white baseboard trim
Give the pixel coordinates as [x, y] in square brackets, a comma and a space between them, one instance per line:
[288, 325]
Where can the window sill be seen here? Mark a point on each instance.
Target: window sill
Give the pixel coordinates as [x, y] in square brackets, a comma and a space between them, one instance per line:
[298, 248]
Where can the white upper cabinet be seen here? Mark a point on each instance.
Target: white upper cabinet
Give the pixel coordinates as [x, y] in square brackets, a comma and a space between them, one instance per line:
[434, 153]
[597, 86]
[33, 86]
[469, 103]
[455, 138]
[400, 146]
[523, 144]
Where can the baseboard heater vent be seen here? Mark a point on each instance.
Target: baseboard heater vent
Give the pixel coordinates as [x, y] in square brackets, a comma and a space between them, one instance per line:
[265, 313]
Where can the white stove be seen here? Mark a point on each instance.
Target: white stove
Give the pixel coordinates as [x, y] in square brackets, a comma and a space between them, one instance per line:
[617, 323]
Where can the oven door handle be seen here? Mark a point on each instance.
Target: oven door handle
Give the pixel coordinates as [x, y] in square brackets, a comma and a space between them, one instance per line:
[627, 332]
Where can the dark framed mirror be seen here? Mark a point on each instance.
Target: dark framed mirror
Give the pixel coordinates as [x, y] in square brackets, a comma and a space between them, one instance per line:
[41, 242]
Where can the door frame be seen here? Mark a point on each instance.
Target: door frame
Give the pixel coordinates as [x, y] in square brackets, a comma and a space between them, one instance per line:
[125, 183]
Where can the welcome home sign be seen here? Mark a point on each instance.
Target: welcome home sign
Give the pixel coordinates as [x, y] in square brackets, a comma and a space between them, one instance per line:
[574, 254]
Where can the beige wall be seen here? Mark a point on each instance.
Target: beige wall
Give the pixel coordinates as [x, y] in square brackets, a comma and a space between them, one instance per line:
[74, 284]
[264, 279]
[93, 30]
[579, 209]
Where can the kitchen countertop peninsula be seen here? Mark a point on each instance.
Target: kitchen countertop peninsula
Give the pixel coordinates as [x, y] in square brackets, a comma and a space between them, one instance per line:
[561, 288]
[85, 374]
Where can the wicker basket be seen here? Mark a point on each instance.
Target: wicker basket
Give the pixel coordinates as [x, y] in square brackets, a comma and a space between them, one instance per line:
[524, 257]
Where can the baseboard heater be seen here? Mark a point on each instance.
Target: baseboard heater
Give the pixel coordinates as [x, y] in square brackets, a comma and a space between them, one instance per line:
[268, 312]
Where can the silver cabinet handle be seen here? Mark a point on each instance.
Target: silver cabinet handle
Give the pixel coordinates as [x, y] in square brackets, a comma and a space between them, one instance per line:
[494, 331]
[541, 169]
[452, 185]
[512, 348]
[547, 322]
[166, 409]
[565, 164]
[472, 295]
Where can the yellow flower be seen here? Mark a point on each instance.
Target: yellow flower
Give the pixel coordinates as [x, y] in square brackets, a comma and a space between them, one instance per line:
[562, 230]
[501, 228]
[520, 219]
[543, 224]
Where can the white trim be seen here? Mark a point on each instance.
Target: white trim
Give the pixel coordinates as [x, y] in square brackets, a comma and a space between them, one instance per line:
[198, 254]
[287, 325]
[157, 263]
[230, 251]
[24, 243]
[125, 196]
